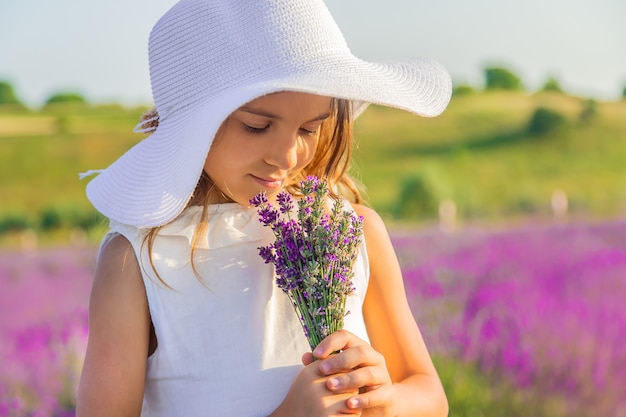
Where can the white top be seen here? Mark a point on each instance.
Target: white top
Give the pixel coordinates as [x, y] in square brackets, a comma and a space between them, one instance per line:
[232, 343]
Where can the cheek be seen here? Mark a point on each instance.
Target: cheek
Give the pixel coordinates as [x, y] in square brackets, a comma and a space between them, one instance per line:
[215, 160]
[209, 162]
[222, 150]
[307, 151]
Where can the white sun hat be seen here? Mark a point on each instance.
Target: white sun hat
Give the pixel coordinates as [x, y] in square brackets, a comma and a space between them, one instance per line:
[210, 57]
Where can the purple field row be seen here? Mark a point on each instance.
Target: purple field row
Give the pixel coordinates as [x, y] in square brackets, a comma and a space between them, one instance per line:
[541, 307]
[43, 329]
[544, 307]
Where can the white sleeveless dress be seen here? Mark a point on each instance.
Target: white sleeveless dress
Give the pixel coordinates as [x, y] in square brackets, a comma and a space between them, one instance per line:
[230, 344]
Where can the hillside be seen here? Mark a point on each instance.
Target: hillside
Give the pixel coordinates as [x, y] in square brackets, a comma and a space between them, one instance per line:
[479, 154]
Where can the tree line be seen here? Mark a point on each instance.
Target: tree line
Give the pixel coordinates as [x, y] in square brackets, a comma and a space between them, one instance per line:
[9, 97]
[500, 78]
[496, 78]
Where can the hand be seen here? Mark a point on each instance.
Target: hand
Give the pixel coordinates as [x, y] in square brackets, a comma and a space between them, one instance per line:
[359, 369]
[309, 395]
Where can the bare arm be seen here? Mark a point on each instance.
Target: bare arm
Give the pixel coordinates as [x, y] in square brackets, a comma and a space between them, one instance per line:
[395, 374]
[393, 331]
[113, 376]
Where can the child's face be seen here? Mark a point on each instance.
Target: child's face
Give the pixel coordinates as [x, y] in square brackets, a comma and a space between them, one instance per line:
[265, 143]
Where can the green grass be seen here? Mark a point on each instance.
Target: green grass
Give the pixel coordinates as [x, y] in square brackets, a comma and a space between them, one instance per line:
[474, 393]
[478, 153]
[40, 168]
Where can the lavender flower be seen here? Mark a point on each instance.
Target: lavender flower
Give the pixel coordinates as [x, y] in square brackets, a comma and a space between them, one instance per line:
[259, 199]
[313, 255]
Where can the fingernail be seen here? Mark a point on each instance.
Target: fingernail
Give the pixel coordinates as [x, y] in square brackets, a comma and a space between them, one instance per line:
[325, 367]
[354, 403]
[318, 352]
[334, 382]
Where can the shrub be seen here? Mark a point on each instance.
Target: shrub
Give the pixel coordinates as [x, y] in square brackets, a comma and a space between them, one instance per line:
[498, 78]
[85, 220]
[544, 121]
[12, 222]
[552, 84]
[69, 218]
[416, 199]
[7, 95]
[68, 97]
[51, 219]
[589, 111]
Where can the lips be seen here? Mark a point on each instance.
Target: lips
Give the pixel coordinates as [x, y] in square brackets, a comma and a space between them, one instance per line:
[269, 182]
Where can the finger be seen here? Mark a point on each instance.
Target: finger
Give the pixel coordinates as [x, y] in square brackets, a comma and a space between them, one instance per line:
[375, 398]
[307, 358]
[368, 376]
[339, 340]
[355, 357]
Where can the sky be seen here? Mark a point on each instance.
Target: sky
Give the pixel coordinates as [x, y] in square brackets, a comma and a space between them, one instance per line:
[99, 48]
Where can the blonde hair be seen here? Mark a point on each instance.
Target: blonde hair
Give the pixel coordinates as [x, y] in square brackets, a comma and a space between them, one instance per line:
[330, 163]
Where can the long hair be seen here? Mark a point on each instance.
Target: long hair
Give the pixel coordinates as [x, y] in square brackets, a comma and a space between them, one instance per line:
[330, 163]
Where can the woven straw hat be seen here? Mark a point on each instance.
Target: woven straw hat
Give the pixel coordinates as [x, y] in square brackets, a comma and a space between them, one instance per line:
[210, 57]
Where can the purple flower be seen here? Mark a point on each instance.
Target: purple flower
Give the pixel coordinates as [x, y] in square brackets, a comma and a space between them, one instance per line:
[259, 200]
[309, 185]
[312, 255]
[268, 215]
[285, 202]
[540, 306]
[267, 254]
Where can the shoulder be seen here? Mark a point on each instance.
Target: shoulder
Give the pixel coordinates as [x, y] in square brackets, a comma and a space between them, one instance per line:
[380, 250]
[117, 276]
[117, 245]
[117, 256]
[373, 224]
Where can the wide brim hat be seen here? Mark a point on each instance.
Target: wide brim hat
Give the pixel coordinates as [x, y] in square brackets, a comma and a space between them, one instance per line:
[210, 57]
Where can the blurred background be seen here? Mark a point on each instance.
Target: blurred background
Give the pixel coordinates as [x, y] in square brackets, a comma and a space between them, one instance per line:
[507, 212]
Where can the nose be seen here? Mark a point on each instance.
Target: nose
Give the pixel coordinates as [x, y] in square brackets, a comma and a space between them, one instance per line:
[283, 151]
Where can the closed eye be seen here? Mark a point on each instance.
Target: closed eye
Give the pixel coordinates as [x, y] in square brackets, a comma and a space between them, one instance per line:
[255, 130]
[311, 129]
[308, 132]
[259, 130]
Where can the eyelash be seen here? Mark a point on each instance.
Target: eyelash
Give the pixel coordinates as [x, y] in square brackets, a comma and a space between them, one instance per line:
[260, 130]
[254, 130]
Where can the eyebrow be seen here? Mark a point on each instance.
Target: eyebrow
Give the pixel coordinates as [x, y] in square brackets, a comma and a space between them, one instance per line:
[263, 113]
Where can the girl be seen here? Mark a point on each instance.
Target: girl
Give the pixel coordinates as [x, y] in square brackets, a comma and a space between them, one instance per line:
[185, 319]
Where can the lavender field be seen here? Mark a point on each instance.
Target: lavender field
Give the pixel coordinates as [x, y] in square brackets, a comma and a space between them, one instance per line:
[521, 322]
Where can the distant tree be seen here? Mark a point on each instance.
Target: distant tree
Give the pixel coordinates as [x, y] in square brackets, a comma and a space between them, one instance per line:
[589, 111]
[416, 199]
[498, 78]
[7, 95]
[14, 222]
[66, 97]
[51, 219]
[552, 84]
[544, 121]
[624, 93]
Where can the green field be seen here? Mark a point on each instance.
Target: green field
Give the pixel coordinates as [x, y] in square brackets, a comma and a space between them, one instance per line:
[479, 153]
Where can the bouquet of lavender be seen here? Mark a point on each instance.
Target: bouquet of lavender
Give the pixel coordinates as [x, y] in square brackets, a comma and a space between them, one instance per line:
[313, 255]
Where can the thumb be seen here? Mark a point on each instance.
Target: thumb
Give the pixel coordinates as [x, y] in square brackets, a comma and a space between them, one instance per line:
[307, 358]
